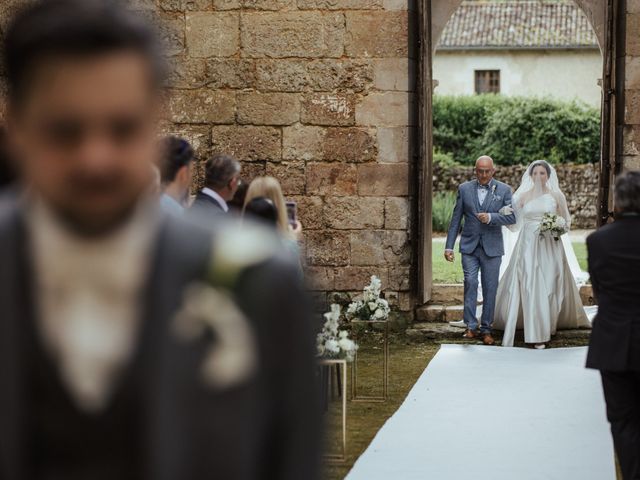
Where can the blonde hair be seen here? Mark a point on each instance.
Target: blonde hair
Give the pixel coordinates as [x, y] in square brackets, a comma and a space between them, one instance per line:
[269, 187]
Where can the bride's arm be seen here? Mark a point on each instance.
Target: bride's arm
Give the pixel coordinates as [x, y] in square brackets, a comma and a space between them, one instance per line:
[563, 208]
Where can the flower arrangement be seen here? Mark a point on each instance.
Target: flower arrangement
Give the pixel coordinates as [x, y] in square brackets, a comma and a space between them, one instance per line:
[553, 226]
[372, 306]
[332, 342]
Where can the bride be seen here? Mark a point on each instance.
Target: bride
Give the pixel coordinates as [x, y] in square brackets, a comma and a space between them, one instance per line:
[538, 292]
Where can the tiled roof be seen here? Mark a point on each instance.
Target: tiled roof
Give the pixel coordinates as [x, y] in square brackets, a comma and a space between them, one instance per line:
[514, 24]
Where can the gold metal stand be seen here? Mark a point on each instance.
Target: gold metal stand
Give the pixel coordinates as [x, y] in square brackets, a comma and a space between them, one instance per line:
[355, 397]
[342, 364]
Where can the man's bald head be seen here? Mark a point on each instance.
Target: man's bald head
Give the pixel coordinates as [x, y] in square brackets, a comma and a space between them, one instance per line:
[485, 169]
[485, 161]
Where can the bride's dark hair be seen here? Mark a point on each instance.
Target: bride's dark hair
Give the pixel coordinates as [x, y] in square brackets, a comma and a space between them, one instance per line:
[540, 163]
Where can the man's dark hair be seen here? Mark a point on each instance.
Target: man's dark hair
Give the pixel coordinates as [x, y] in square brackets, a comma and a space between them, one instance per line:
[627, 193]
[220, 170]
[48, 29]
[261, 208]
[177, 153]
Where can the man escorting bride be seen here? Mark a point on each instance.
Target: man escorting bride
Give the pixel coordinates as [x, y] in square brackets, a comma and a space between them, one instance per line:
[537, 292]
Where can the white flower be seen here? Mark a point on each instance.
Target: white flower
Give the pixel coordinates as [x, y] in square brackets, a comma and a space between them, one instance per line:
[332, 346]
[380, 314]
[372, 306]
[343, 334]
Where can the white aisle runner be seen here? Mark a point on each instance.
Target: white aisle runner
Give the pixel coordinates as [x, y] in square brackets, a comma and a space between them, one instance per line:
[492, 413]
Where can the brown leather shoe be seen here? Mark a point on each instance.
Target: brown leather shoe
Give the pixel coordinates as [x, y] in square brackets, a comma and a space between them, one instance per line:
[470, 334]
[487, 339]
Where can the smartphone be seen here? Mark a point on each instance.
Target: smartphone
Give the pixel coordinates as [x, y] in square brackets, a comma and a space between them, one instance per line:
[292, 213]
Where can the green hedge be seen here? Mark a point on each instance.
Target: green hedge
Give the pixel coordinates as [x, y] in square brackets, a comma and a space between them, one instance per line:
[515, 130]
[443, 204]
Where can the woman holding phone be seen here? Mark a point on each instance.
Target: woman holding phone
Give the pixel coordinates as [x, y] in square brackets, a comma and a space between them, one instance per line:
[287, 223]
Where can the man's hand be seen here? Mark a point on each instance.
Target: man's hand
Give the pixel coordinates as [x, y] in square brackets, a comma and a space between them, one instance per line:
[484, 217]
[449, 255]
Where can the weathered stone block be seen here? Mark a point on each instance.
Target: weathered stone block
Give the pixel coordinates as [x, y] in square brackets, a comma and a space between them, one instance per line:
[327, 248]
[395, 5]
[197, 135]
[135, 5]
[394, 144]
[396, 213]
[633, 34]
[631, 144]
[377, 34]
[383, 179]
[355, 278]
[632, 72]
[379, 247]
[252, 170]
[293, 75]
[202, 106]
[339, 4]
[301, 142]
[633, 6]
[320, 278]
[273, 5]
[268, 108]
[248, 143]
[290, 175]
[172, 34]
[336, 179]
[226, 4]
[632, 110]
[213, 34]
[184, 5]
[230, 73]
[394, 74]
[350, 145]
[631, 162]
[353, 213]
[386, 109]
[328, 109]
[187, 73]
[400, 277]
[292, 34]
[310, 212]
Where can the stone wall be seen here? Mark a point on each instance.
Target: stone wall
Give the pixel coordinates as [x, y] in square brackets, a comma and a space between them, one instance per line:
[632, 87]
[578, 182]
[317, 93]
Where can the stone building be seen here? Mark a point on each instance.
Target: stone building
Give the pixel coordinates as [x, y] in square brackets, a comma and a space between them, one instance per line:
[324, 95]
[519, 48]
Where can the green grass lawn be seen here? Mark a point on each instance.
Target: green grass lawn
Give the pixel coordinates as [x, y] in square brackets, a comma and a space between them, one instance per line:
[445, 272]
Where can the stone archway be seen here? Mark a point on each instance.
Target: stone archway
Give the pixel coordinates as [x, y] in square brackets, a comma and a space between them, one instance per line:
[433, 17]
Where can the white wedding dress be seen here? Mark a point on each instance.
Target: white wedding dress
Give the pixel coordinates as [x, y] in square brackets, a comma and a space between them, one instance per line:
[538, 292]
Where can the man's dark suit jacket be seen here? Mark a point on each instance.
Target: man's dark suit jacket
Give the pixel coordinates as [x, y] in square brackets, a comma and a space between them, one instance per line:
[205, 209]
[265, 428]
[614, 266]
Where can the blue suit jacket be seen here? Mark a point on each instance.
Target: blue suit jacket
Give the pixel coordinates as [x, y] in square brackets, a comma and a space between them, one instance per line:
[474, 232]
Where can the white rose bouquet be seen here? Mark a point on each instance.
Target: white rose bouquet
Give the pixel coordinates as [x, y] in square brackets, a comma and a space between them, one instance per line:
[553, 226]
[332, 342]
[371, 306]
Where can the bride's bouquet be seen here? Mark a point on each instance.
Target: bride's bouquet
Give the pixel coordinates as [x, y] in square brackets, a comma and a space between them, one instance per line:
[332, 342]
[553, 226]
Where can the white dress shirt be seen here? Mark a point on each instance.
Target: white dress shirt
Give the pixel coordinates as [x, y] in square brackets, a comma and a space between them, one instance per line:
[88, 293]
[216, 196]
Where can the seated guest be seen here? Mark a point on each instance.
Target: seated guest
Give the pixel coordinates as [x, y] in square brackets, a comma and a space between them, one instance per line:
[176, 171]
[614, 349]
[269, 188]
[221, 181]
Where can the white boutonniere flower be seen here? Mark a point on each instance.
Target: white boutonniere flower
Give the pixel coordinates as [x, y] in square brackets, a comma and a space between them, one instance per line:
[493, 190]
[232, 359]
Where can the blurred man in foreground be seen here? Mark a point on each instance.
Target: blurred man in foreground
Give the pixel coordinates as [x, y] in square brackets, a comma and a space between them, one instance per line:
[132, 345]
[614, 349]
